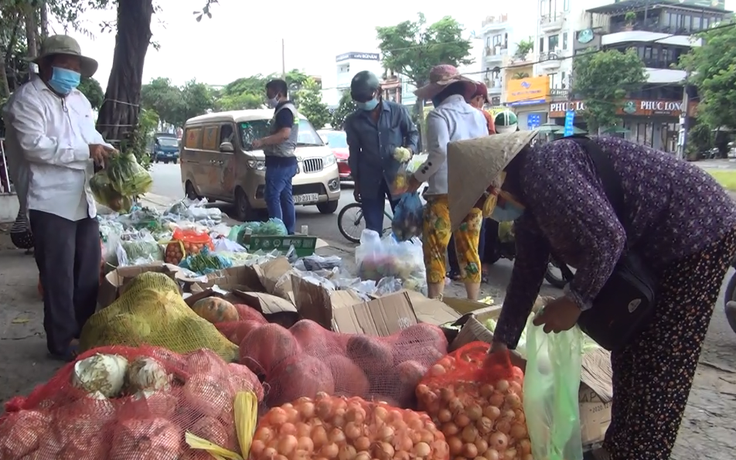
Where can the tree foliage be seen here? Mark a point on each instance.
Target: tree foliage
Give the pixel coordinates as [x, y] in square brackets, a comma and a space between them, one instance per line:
[713, 72]
[175, 105]
[603, 80]
[344, 108]
[412, 48]
[93, 91]
[311, 106]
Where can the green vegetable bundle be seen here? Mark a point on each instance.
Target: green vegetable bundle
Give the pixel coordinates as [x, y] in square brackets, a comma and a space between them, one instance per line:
[205, 262]
[120, 182]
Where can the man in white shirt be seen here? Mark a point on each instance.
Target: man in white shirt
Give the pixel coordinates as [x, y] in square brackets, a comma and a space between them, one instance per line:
[51, 137]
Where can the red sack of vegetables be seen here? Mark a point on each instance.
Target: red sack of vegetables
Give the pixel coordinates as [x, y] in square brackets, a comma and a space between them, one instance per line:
[122, 403]
[476, 400]
[333, 427]
[377, 368]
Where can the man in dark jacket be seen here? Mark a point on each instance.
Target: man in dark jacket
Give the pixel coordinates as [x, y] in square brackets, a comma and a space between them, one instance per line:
[374, 132]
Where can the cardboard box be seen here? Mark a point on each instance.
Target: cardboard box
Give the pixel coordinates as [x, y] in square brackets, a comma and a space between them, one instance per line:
[595, 396]
[276, 277]
[472, 327]
[242, 278]
[115, 282]
[346, 312]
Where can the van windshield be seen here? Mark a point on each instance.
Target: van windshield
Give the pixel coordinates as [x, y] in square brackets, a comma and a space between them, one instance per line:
[168, 142]
[256, 129]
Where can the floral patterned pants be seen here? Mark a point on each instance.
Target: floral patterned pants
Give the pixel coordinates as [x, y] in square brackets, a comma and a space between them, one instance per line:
[652, 376]
[436, 236]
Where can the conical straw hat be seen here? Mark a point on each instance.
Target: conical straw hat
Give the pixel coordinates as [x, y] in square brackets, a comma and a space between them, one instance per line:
[473, 165]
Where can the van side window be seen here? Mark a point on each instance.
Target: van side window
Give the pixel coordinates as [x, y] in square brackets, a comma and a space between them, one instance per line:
[193, 138]
[252, 130]
[210, 138]
[227, 133]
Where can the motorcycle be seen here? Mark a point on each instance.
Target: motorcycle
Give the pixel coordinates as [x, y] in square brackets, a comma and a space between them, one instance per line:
[729, 300]
[500, 244]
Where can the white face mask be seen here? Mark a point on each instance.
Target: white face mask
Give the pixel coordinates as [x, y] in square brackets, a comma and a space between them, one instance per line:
[274, 101]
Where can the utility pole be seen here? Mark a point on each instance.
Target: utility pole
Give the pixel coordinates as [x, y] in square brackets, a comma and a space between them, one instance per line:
[684, 119]
[283, 59]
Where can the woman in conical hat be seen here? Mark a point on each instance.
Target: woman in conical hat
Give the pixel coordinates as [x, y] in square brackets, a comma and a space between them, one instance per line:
[452, 119]
[679, 221]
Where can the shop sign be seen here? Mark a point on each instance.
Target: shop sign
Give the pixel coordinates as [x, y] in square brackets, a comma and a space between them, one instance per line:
[629, 107]
[527, 91]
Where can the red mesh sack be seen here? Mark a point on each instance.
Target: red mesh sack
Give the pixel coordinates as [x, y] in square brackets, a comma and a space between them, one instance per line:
[120, 403]
[331, 427]
[476, 400]
[307, 359]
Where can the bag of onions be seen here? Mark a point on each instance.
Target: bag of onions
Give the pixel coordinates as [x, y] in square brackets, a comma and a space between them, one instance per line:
[334, 427]
[476, 400]
[122, 403]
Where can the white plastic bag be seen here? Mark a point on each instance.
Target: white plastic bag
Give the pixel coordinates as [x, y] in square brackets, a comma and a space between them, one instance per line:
[383, 258]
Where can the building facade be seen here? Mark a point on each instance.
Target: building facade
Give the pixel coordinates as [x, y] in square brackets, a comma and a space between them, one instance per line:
[660, 32]
[346, 66]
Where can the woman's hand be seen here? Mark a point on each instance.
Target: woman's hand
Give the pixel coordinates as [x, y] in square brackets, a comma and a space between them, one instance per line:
[514, 356]
[558, 315]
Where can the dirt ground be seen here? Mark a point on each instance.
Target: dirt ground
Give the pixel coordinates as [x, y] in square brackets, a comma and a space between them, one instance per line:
[707, 433]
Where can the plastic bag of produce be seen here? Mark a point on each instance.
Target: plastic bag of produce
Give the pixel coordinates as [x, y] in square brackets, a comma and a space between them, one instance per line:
[138, 249]
[127, 403]
[379, 258]
[151, 311]
[205, 262]
[333, 427]
[126, 176]
[272, 227]
[476, 399]
[307, 359]
[106, 195]
[407, 221]
[185, 242]
[551, 383]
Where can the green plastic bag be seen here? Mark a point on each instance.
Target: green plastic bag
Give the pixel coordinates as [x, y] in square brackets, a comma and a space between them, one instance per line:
[551, 383]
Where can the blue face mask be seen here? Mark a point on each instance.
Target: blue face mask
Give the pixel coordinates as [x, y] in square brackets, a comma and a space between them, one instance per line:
[63, 81]
[509, 212]
[368, 106]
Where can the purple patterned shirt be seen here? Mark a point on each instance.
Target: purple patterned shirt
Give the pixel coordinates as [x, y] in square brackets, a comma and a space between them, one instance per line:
[675, 209]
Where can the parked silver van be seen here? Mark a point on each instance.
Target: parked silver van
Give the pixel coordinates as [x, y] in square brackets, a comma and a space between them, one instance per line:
[219, 163]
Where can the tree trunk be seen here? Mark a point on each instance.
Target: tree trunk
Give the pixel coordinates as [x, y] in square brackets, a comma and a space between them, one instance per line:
[4, 84]
[44, 20]
[31, 32]
[119, 113]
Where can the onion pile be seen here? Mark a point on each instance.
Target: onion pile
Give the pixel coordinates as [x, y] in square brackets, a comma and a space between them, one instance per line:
[338, 428]
[480, 418]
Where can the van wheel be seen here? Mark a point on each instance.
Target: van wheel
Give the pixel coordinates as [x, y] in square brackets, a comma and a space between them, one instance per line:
[243, 210]
[328, 207]
[190, 192]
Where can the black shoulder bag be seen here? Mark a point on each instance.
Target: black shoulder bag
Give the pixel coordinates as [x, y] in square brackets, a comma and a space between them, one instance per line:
[625, 305]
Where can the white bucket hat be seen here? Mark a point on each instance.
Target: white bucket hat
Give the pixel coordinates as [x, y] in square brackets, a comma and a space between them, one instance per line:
[473, 165]
[64, 44]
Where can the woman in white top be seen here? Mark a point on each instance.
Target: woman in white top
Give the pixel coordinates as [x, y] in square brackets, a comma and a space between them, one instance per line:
[452, 119]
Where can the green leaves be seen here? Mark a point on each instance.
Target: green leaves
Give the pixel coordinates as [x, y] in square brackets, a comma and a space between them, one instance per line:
[345, 108]
[412, 48]
[93, 91]
[713, 72]
[311, 105]
[603, 79]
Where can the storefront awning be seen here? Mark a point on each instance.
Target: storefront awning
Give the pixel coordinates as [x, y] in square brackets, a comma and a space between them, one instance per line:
[622, 7]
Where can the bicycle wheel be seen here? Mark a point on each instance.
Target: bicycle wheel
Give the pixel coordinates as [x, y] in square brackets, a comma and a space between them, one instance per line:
[351, 223]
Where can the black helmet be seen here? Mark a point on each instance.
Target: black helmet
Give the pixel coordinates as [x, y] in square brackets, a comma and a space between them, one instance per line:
[364, 86]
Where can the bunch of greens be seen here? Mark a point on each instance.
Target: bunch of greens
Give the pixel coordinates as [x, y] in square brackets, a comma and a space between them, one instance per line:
[122, 180]
[205, 262]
